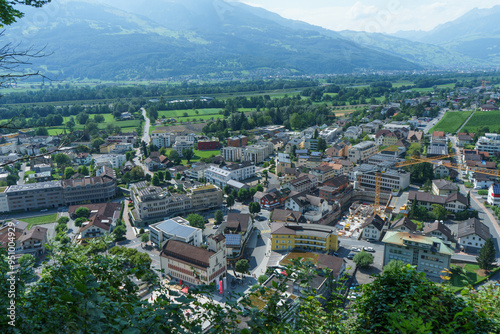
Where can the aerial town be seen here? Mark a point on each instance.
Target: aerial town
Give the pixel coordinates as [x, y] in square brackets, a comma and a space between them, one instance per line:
[350, 196]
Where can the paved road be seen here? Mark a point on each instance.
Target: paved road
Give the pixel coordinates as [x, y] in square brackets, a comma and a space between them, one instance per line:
[435, 120]
[21, 174]
[147, 124]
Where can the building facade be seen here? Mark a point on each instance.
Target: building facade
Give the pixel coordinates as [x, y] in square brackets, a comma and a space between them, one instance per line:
[362, 151]
[288, 236]
[231, 153]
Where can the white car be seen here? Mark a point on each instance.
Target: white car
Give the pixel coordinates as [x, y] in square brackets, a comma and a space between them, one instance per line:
[356, 249]
[369, 249]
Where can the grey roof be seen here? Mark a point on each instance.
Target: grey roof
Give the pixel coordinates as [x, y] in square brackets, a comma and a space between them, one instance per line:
[405, 221]
[436, 199]
[171, 227]
[376, 221]
[442, 184]
[33, 186]
[438, 226]
[473, 226]
[233, 239]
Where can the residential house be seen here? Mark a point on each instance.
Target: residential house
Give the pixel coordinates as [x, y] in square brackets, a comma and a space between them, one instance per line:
[453, 203]
[483, 181]
[195, 265]
[313, 208]
[231, 153]
[443, 187]
[488, 107]
[353, 132]
[489, 143]
[283, 161]
[271, 199]
[237, 141]
[323, 173]
[330, 134]
[116, 160]
[415, 136]
[27, 241]
[94, 227]
[472, 233]
[373, 227]
[439, 136]
[288, 216]
[439, 230]
[296, 142]
[340, 150]
[305, 182]
[428, 254]
[464, 139]
[83, 159]
[403, 225]
[441, 171]
[238, 228]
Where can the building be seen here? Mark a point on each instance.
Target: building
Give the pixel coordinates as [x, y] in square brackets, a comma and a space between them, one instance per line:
[362, 151]
[296, 143]
[208, 144]
[257, 153]
[439, 230]
[333, 186]
[160, 138]
[27, 241]
[494, 194]
[415, 136]
[465, 139]
[238, 172]
[283, 161]
[181, 145]
[4, 202]
[330, 134]
[288, 236]
[390, 179]
[428, 254]
[443, 187]
[231, 153]
[82, 159]
[453, 203]
[197, 170]
[130, 138]
[483, 181]
[116, 160]
[312, 207]
[95, 227]
[195, 265]
[270, 199]
[288, 216]
[34, 196]
[237, 141]
[441, 171]
[323, 173]
[373, 227]
[472, 233]
[176, 228]
[353, 132]
[238, 228]
[437, 149]
[340, 150]
[311, 144]
[489, 143]
[99, 188]
[302, 183]
[205, 197]
[403, 225]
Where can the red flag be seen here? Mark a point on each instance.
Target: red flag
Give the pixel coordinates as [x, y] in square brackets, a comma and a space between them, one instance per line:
[180, 282]
[151, 297]
[220, 287]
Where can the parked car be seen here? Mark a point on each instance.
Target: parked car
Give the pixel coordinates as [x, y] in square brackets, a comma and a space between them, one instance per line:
[369, 249]
[355, 249]
[350, 256]
[371, 240]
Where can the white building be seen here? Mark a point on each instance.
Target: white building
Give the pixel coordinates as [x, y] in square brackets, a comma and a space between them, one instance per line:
[231, 153]
[373, 227]
[4, 203]
[490, 143]
[428, 254]
[353, 132]
[161, 138]
[390, 179]
[237, 172]
[175, 229]
[472, 233]
[180, 145]
[330, 134]
[494, 194]
[257, 153]
[362, 151]
[116, 160]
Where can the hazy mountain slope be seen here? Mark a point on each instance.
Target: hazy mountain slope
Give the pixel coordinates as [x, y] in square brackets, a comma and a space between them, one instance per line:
[187, 37]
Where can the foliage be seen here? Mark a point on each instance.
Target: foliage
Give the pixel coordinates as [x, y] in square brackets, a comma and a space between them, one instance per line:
[69, 172]
[363, 259]
[26, 260]
[145, 237]
[404, 301]
[242, 194]
[187, 154]
[168, 176]
[482, 192]
[230, 201]
[62, 160]
[394, 265]
[242, 266]
[83, 170]
[219, 216]
[438, 211]
[79, 221]
[63, 220]
[487, 255]
[82, 212]
[259, 187]
[196, 220]
[262, 278]
[119, 232]
[421, 173]
[155, 180]
[254, 207]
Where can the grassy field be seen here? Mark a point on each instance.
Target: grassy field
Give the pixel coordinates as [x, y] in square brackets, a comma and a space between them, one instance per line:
[197, 155]
[126, 126]
[484, 118]
[40, 220]
[451, 121]
[472, 272]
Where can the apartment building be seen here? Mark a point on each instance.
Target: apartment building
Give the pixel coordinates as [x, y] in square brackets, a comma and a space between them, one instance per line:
[95, 189]
[330, 134]
[323, 172]
[238, 172]
[195, 265]
[490, 143]
[304, 182]
[4, 202]
[257, 153]
[176, 228]
[231, 153]
[208, 144]
[116, 160]
[428, 254]
[33, 196]
[455, 202]
[237, 141]
[197, 171]
[283, 161]
[181, 145]
[160, 138]
[95, 227]
[123, 138]
[362, 151]
[494, 194]
[472, 233]
[288, 236]
[443, 187]
[205, 197]
[365, 177]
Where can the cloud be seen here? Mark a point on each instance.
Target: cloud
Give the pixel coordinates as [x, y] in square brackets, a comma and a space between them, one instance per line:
[359, 11]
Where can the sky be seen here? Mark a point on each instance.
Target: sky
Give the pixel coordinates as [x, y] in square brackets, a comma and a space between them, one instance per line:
[385, 16]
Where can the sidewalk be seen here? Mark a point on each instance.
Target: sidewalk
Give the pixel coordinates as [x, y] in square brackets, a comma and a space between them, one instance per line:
[131, 231]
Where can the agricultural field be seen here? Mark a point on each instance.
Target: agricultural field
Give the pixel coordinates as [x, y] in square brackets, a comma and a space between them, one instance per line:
[126, 126]
[451, 121]
[482, 119]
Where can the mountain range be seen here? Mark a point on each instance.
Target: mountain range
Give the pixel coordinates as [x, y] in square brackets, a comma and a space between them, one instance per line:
[213, 38]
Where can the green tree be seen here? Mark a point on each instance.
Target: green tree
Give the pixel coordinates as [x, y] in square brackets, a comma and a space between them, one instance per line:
[26, 260]
[71, 124]
[178, 176]
[69, 172]
[161, 176]
[196, 220]
[262, 278]
[82, 117]
[83, 170]
[79, 221]
[96, 142]
[63, 220]
[136, 173]
[230, 201]
[62, 160]
[82, 212]
[242, 194]
[218, 217]
[227, 189]
[394, 265]
[242, 266]
[99, 118]
[11, 179]
[468, 199]
[321, 144]
[155, 180]
[487, 255]
[145, 238]
[174, 157]
[363, 259]
[259, 187]
[188, 154]
[119, 232]
[254, 207]
[438, 211]
[168, 176]
[427, 185]
[42, 132]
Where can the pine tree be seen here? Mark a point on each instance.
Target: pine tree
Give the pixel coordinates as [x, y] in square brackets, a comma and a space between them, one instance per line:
[487, 255]
[468, 200]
